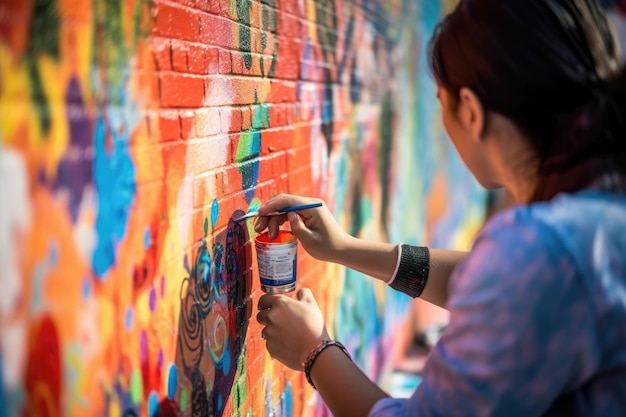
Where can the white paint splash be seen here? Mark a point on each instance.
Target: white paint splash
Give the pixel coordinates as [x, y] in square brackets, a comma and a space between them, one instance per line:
[15, 220]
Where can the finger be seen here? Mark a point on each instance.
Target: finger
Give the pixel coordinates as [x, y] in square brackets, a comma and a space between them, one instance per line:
[274, 225]
[266, 301]
[262, 317]
[280, 202]
[260, 223]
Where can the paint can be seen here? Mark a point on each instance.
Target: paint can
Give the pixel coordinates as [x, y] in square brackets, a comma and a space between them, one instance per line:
[277, 261]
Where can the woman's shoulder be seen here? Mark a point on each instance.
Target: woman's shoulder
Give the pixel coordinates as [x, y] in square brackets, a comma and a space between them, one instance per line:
[567, 215]
[581, 235]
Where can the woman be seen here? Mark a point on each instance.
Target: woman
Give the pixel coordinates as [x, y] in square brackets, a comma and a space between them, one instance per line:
[534, 99]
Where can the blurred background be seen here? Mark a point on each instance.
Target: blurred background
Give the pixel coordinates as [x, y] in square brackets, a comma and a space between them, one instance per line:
[133, 132]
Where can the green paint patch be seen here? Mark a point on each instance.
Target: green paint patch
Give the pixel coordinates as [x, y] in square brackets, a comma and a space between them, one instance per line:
[261, 118]
[240, 393]
[249, 146]
[43, 39]
[245, 42]
[183, 400]
[136, 387]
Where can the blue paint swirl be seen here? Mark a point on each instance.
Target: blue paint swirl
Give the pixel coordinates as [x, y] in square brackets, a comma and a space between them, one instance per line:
[172, 381]
[114, 178]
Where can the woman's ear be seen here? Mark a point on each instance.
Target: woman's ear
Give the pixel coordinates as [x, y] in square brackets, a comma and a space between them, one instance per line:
[471, 113]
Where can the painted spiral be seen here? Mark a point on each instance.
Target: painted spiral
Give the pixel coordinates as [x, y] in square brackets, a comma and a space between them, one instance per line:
[218, 339]
[201, 279]
[191, 330]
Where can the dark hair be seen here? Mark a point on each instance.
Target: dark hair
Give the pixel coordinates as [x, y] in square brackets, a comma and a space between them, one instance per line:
[553, 67]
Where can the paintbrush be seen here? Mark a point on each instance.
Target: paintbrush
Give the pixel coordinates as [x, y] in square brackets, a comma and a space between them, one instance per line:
[278, 213]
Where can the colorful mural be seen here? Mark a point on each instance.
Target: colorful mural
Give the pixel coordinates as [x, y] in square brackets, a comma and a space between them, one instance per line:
[133, 132]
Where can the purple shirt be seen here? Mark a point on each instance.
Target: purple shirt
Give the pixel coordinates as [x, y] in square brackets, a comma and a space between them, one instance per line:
[537, 318]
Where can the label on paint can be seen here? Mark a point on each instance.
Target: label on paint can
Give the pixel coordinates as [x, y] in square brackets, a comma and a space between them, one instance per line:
[277, 260]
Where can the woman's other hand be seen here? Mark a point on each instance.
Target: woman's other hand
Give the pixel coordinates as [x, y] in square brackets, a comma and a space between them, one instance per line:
[293, 326]
[316, 228]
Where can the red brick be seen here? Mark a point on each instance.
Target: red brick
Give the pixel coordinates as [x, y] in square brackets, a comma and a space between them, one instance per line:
[255, 40]
[179, 56]
[279, 164]
[298, 158]
[231, 180]
[181, 90]
[211, 61]
[225, 62]
[204, 5]
[187, 124]
[256, 15]
[288, 26]
[207, 154]
[230, 120]
[282, 184]
[198, 218]
[288, 63]
[174, 160]
[225, 9]
[219, 182]
[196, 59]
[227, 208]
[265, 170]
[188, 3]
[176, 22]
[291, 7]
[277, 115]
[282, 92]
[204, 189]
[246, 118]
[162, 53]
[263, 191]
[169, 125]
[292, 184]
[287, 69]
[214, 6]
[207, 122]
[237, 62]
[276, 140]
[229, 91]
[217, 31]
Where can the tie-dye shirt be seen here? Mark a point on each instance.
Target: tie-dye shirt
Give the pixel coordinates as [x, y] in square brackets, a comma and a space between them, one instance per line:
[537, 318]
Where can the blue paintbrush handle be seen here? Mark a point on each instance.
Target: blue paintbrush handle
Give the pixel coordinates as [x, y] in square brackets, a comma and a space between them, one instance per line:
[283, 211]
[297, 208]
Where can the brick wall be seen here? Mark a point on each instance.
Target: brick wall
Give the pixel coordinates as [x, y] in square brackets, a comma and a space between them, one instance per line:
[132, 132]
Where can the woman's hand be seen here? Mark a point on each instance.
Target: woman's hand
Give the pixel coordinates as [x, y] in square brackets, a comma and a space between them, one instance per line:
[316, 228]
[293, 327]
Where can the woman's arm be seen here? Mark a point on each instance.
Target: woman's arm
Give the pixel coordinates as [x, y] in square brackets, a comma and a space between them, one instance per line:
[322, 237]
[294, 331]
[379, 260]
[346, 390]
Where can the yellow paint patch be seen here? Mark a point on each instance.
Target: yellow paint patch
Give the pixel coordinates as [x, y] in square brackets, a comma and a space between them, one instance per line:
[15, 100]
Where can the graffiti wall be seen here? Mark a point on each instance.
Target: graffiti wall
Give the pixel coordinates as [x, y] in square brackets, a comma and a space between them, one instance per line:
[132, 132]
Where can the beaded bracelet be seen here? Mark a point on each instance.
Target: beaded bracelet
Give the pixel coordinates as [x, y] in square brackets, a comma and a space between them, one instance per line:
[310, 360]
